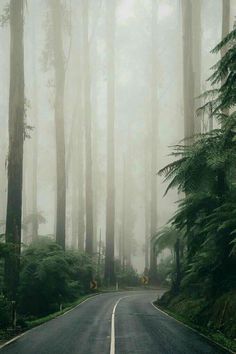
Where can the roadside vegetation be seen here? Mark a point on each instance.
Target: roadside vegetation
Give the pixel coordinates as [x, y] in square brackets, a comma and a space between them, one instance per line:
[201, 234]
[52, 281]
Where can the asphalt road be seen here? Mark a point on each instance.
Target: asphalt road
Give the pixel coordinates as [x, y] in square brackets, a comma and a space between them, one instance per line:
[114, 323]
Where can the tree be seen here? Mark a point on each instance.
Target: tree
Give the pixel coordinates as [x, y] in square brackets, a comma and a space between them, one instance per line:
[225, 27]
[88, 137]
[154, 137]
[225, 22]
[197, 59]
[171, 238]
[147, 209]
[188, 75]
[59, 69]
[110, 201]
[206, 216]
[15, 155]
[35, 223]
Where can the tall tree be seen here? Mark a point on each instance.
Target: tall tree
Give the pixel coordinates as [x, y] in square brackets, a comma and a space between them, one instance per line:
[225, 22]
[88, 133]
[16, 140]
[81, 199]
[197, 59]
[35, 221]
[225, 30]
[188, 74]
[154, 138]
[147, 208]
[59, 68]
[110, 201]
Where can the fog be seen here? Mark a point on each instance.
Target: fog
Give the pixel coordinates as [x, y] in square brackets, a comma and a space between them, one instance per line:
[109, 75]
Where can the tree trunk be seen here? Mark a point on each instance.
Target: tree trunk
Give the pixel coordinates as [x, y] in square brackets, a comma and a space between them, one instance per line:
[225, 31]
[110, 202]
[81, 199]
[197, 59]
[147, 210]
[59, 120]
[154, 138]
[177, 259]
[225, 22]
[35, 223]
[188, 74]
[16, 140]
[88, 137]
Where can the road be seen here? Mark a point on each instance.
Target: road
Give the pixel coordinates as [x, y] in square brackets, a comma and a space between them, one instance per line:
[114, 323]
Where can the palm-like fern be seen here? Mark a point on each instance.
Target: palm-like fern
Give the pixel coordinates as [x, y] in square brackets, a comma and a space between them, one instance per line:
[205, 171]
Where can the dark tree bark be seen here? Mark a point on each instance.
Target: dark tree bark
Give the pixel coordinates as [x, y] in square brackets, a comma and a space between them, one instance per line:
[59, 120]
[110, 202]
[178, 272]
[15, 156]
[88, 137]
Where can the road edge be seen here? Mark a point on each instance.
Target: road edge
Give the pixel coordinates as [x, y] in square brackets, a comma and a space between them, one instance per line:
[210, 340]
[41, 324]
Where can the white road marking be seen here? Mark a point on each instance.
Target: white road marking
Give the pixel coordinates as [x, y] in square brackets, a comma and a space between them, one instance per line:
[113, 335]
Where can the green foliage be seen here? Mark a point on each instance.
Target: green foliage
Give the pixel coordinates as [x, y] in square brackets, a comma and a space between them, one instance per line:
[166, 270]
[165, 238]
[49, 276]
[126, 276]
[5, 312]
[204, 169]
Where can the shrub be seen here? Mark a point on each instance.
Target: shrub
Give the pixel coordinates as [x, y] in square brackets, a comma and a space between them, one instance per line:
[49, 276]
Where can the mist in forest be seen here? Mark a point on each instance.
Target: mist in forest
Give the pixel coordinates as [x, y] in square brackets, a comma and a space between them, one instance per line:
[104, 101]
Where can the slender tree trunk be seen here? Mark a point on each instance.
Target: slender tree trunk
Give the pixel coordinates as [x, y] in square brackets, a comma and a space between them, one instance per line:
[188, 74]
[125, 236]
[99, 255]
[197, 60]
[110, 202]
[16, 140]
[81, 184]
[225, 22]
[225, 31]
[147, 211]
[35, 224]
[75, 200]
[154, 139]
[95, 177]
[177, 259]
[88, 137]
[59, 120]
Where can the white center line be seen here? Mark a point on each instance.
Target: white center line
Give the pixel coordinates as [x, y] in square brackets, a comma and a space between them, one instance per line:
[113, 336]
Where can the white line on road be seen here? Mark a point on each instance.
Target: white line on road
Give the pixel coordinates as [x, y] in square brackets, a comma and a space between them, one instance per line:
[113, 335]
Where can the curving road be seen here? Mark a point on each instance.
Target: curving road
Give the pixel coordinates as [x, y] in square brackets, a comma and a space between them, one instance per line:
[114, 323]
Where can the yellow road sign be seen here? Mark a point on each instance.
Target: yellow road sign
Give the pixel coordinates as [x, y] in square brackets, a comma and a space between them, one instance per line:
[145, 279]
[93, 284]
